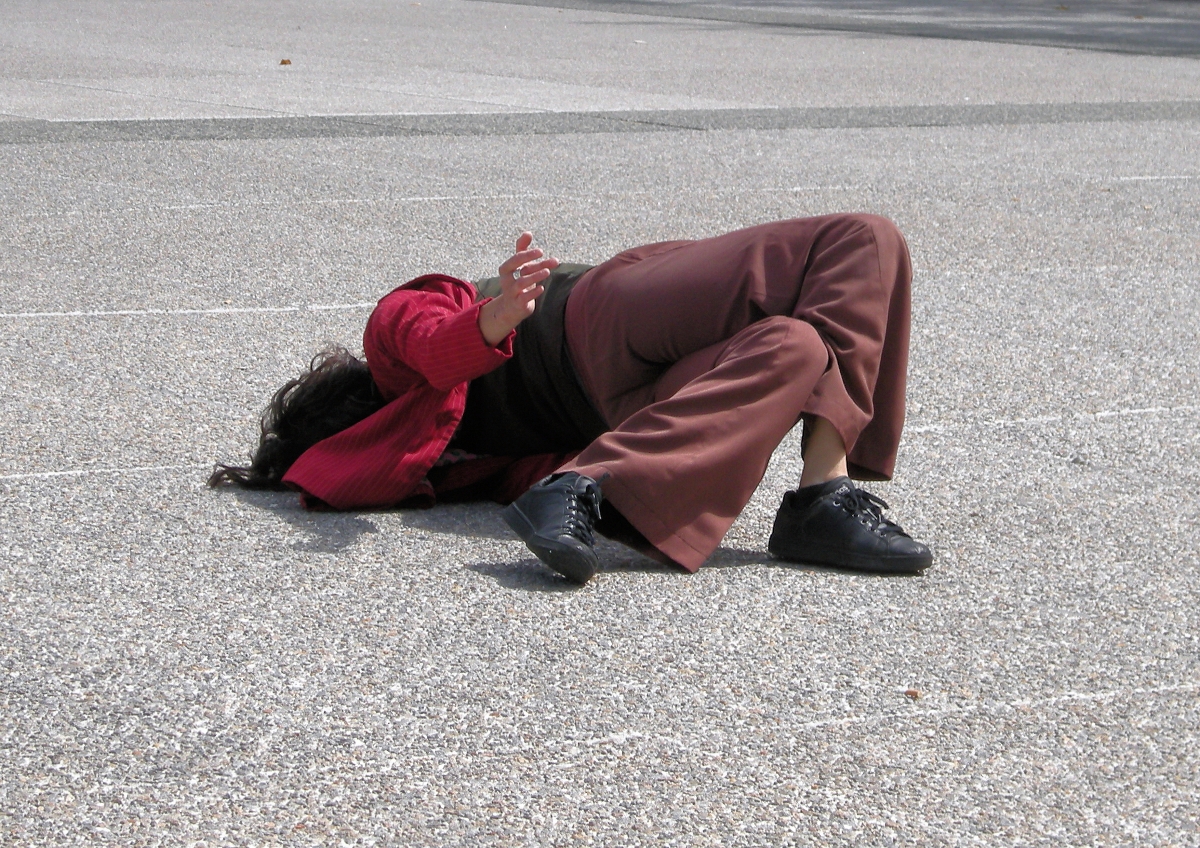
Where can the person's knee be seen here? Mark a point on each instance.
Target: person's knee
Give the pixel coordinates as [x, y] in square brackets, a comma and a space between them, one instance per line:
[883, 229]
[883, 237]
[796, 344]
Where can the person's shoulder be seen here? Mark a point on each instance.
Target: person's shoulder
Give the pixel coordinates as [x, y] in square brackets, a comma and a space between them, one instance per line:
[420, 303]
[439, 284]
[427, 291]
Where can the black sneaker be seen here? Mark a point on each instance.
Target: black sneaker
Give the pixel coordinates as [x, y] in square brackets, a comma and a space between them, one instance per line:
[838, 524]
[555, 518]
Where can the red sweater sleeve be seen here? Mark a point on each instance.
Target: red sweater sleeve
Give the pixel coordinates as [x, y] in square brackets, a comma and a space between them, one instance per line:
[429, 330]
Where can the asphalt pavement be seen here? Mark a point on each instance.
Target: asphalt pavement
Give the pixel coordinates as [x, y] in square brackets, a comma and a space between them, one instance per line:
[186, 221]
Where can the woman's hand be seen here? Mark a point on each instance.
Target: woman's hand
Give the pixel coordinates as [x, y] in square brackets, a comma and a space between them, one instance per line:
[521, 276]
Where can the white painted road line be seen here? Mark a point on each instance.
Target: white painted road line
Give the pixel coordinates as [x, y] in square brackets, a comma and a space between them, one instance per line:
[434, 198]
[932, 428]
[1164, 177]
[79, 472]
[217, 310]
[1022, 704]
[1053, 419]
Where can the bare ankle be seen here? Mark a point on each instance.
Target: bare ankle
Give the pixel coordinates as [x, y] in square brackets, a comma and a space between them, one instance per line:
[824, 455]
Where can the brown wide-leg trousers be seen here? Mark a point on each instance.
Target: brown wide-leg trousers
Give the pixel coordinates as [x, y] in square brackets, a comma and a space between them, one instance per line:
[702, 356]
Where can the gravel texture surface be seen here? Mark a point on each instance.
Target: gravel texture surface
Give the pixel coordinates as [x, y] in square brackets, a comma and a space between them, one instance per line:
[183, 666]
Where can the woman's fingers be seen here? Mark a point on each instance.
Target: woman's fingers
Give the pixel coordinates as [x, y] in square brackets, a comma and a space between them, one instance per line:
[521, 276]
[529, 277]
[525, 255]
[529, 295]
[522, 254]
[521, 257]
[530, 268]
[522, 273]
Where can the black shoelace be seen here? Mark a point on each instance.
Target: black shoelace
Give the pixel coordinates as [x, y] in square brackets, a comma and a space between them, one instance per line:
[583, 510]
[868, 509]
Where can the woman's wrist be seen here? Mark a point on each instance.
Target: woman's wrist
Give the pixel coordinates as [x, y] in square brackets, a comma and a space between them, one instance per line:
[493, 324]
[521, 278]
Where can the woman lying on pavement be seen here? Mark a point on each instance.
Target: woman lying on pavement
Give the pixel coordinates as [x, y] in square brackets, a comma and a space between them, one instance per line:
[659, 382]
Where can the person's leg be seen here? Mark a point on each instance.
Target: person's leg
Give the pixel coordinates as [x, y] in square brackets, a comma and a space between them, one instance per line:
[696, 416]
[681, 469]
[857, 294]
[824, 455]
[637, 315]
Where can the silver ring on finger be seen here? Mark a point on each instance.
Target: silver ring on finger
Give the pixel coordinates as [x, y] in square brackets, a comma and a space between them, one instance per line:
[517, 274]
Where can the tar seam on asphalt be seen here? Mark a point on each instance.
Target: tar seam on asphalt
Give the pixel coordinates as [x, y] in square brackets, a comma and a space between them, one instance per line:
[556, 123]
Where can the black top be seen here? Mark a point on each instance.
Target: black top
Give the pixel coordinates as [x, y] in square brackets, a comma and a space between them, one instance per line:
[533, 403]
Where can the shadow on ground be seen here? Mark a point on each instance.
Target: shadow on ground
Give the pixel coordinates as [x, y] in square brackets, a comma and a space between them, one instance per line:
[531, 575]
[321, 532]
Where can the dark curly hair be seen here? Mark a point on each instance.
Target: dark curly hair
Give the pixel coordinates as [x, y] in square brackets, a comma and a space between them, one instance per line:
[335, 392]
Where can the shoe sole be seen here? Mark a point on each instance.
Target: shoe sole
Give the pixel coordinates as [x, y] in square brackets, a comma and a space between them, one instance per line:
[840, 559]
[570, 562]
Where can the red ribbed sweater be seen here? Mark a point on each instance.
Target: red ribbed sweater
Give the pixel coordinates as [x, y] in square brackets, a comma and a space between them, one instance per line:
[423, 346]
